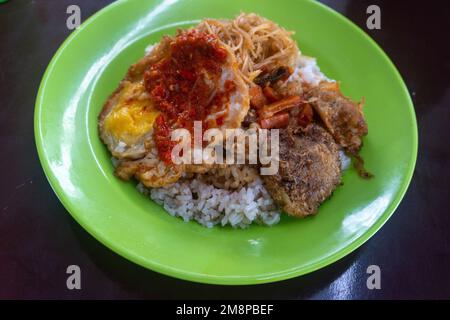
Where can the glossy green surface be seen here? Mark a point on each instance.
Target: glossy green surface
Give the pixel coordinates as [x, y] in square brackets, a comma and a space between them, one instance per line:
[88, 67]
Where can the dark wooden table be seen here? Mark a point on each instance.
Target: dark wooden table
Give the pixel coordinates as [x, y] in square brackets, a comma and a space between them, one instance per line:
[39, 239]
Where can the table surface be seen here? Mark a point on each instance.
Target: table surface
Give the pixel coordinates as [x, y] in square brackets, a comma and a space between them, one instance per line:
[39, 239]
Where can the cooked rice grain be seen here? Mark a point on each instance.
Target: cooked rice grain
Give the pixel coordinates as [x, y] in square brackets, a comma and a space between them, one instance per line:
[208, 205]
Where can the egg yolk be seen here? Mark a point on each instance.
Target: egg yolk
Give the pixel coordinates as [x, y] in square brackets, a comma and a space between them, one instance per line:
[131, 117]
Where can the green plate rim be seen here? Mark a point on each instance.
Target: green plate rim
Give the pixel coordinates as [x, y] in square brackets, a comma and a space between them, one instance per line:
[223, 280]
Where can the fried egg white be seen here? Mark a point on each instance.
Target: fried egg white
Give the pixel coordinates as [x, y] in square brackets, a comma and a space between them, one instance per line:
[233, 111]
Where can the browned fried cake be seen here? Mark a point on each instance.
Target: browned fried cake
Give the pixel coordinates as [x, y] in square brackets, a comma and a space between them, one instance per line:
[309, 170]
[341, 116]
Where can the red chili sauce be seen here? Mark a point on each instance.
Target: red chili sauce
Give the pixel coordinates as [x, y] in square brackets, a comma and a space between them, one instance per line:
[184, 86]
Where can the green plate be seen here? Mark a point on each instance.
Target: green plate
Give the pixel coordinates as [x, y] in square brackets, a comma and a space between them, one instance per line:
[88, 67]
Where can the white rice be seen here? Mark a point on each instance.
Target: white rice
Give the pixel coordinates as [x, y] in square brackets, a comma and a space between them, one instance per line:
[209, 205]
[346, 161]
[307, 71]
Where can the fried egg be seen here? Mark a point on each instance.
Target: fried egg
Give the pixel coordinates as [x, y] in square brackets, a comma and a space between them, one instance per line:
[126, 123]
